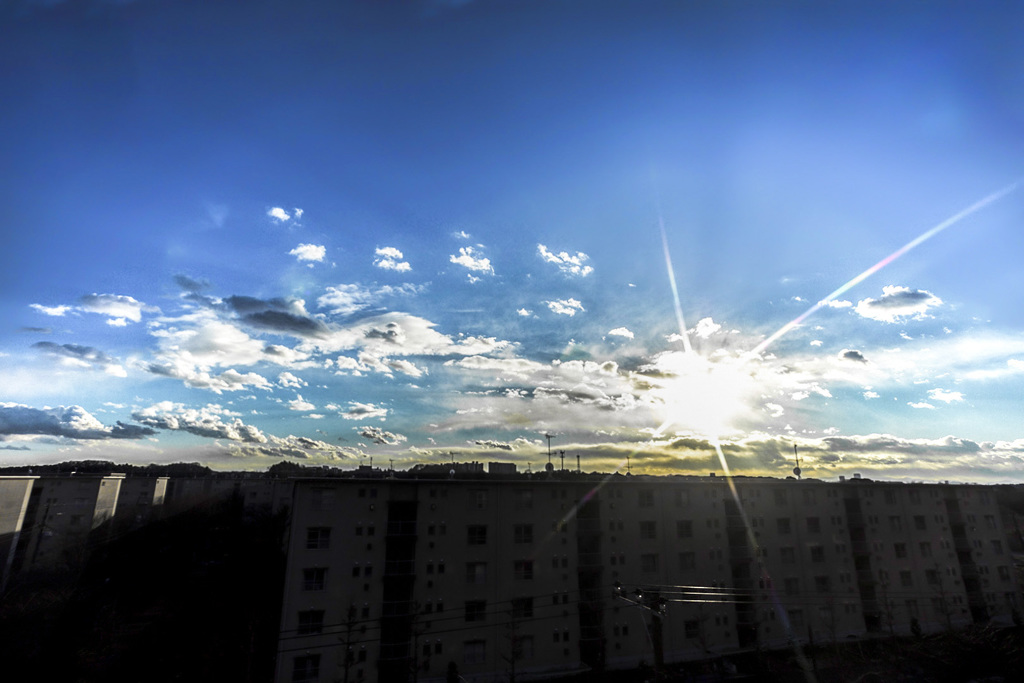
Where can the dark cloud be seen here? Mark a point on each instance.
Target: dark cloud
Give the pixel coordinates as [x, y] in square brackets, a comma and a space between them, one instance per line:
[391, 333]
[850, 354]
[14, 448]
[72, 422]
[36, 330]
[190, 284]
[379, 436]
[85, 353]
[279, 321]
[500, 445]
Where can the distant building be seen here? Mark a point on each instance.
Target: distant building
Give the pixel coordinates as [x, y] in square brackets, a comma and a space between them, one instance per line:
[545, 577]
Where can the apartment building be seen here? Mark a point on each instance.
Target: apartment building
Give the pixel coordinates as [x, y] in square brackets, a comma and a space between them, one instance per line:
[14, 497]
[543, 576]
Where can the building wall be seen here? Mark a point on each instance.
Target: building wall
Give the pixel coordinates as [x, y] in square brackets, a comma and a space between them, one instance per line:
[548, 576]
[14, 497]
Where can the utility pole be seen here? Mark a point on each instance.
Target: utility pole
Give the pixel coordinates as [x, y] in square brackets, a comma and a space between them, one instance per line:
[549, 437]
[561, 455]
[652, 602]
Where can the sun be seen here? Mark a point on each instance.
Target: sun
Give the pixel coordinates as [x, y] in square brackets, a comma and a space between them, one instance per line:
[702, 396]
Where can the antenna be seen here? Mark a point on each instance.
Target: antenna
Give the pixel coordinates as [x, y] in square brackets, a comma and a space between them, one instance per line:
[796, 470]
[578, 470]
[549, 437]
[561, 454]
[627, 463]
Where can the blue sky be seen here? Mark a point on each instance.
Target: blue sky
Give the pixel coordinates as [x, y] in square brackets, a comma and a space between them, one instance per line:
[327, 231]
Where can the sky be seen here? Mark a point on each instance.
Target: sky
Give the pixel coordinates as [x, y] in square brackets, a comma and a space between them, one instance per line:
[342, 232]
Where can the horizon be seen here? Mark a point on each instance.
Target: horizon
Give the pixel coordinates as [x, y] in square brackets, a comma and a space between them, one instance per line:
[692, 237]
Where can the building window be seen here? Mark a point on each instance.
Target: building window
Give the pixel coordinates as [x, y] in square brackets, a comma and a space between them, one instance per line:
[310, 622]
[682, 498]
[926, 549]
[932, 577]
[780, 496]
[900, 549]
[524, 647]
[997, 547]
[314, 578]
[645, 498]
[920, 523]
[649, 562]
[684, 528]
[787, 554]
[306, 668]
[524, 499]
[476, 534]
[476, 610]
[318, 537]
[522, 608]
[523, 569]
[813, 525]
[822, 584]
[895, 523]
[817, 553]
[476, 572]
[687, 560]
[523, 533]
[906, 579]
[691, 629]
[478, 498]
[1004, 573]
[648, 530]
[783, 525]
[792, 586]
[474, 651]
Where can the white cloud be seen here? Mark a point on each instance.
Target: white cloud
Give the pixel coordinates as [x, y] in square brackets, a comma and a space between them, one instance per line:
[816, 342]
[206, 421]
[945, 396]
[364, 411]
[524, 312]
[567, 307]
[706, 327]
[896, 303]
[774, 409]
[117, 322]
[469, 258]
[461, 235]
[868, 395]
[278, 214]
[348, 299]
[621, 332]
[300, 404]
[298, 213]
[838, 303]
[287, 379]
[309, 252]
[390, 258]
[72, 422]
[115, 306]
[922, 404]
[56, 311]
[568, 264]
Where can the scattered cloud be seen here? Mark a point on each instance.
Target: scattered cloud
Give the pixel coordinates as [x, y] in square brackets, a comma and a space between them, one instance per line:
[364, 411]
[56, 311]
[279, 214]
[469, 258]
[568, 264]
[309, 252]
[816, 342]
[115, 306]
[897, 303]
[869, 394]
[287, 379]
[390, 258]
[945, 396]
[706, 327]
[621, 332]
[526, 313]
[567, 307]
[300, 404]
[838, 303]
[461, 235]
[921, 405]
[193, 285]
[379, 436]
[211, 421]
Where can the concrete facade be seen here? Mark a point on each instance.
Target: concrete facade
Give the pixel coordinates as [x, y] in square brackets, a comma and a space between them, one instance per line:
[546, 576]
